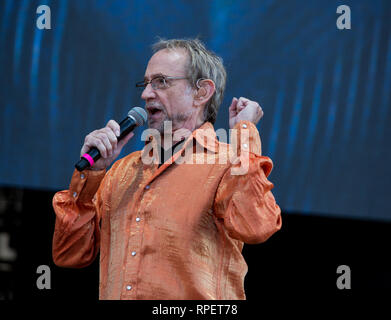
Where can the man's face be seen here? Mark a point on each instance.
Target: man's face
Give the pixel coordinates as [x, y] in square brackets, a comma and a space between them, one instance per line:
[174, 103]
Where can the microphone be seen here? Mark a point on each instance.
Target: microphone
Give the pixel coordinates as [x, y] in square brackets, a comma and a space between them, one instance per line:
[136, 117]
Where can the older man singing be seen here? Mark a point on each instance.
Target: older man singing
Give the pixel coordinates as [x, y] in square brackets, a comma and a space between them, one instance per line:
[166, 229]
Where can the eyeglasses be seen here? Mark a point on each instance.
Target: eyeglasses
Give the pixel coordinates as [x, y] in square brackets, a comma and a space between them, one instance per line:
[159, 82]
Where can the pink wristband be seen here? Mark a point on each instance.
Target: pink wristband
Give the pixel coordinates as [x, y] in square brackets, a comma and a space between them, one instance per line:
[89, 159]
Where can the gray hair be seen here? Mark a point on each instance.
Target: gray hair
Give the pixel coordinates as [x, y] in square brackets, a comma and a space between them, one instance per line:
[203, 63]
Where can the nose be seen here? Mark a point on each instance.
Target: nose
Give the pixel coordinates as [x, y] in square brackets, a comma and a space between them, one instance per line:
[148, 92]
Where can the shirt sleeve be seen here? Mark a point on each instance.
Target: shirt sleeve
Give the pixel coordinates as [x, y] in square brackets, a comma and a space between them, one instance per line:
[244, 201]
[78, 211]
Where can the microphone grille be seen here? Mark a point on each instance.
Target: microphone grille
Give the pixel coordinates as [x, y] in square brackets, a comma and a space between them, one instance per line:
[139, 114]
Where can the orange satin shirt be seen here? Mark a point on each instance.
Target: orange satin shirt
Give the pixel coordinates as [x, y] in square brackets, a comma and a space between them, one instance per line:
[173, 232]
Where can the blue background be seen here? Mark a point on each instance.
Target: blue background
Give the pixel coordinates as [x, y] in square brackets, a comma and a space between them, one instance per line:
[325, 92]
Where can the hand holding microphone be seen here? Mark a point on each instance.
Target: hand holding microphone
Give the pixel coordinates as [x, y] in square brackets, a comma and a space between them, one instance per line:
[101, 147]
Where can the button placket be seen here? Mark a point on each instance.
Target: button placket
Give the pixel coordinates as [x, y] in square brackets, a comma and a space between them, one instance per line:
[136, 229]
[132, 265]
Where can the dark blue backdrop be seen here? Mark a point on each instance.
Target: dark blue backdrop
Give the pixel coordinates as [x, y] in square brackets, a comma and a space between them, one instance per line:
[325, 92]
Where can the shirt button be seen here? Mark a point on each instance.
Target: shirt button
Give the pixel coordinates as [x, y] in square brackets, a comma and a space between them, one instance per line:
[245, 145]
[138, 219]
[82, 176]
[133, 253]
[244, 126]
[147, 187]
[75, 194]
[128, 288]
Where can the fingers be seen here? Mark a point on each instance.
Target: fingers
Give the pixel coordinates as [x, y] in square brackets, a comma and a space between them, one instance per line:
[105, 140]
[114, 126]
[232, 107]
[245, 109]
[92, 141]
[242, 103]
[243, 100]
[260, 112]
[124, 141]
[112, 138]
[108, 145]
[84, 149]
[238, 105]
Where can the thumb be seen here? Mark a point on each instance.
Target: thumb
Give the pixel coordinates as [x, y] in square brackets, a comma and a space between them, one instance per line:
[124, 141]
[232, 107]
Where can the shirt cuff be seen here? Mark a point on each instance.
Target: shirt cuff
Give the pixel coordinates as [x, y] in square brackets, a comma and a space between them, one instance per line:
[245, 137]
[85, 184]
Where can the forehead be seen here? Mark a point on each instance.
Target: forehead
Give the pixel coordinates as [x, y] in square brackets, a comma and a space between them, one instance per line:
[167, 62]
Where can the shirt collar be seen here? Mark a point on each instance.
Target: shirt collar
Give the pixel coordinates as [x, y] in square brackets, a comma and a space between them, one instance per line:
[205, 135]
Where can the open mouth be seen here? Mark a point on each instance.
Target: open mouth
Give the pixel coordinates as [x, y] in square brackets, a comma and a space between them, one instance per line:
[154, 111]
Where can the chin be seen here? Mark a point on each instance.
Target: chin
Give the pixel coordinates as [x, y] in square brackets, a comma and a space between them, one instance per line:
[157, 125]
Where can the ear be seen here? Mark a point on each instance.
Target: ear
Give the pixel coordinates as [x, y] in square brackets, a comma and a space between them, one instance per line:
[205, 90]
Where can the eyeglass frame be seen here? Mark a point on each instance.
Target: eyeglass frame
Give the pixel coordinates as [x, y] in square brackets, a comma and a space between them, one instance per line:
[144, 84]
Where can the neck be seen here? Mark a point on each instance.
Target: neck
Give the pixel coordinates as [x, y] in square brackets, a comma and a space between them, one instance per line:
[168, 139]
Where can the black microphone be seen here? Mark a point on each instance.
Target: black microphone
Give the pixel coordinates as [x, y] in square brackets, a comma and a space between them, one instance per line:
[136, 117]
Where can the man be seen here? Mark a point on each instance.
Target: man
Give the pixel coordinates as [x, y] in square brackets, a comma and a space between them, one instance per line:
[167, 230]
